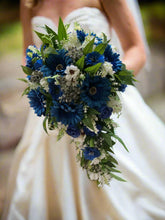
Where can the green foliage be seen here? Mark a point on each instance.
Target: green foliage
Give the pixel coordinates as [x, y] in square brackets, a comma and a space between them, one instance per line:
[100, 48]
[93, 69]
[107, 138]
[27, 70]
[26, 91]
[125, 76]
[91, 142]
[44, 124]
[49, 50]
[44, 37]
[61, 30]
[88, 122]
[117, 177]
[60, 133]
[120, 140]
[89, 47]
[23, 80]
[80, 62]
[91, 112]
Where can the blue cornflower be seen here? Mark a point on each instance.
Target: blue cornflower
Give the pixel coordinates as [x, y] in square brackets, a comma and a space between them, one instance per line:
[95, 91]
[46, 71]
[73, 131]
[81, 35]
[122, 87]
[105, 112]
[54, 90]
[98, 39]
[30, 55]
[113, 58]
[67, 113]
[93, 58]
[37, 101]
[38, 64]
[58, 62]
[91, 133]
[91, 152]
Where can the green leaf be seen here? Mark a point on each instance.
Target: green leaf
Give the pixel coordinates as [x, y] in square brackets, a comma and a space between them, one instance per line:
[101, 48]
[93, 69]
[51, 32]
[27, 70]
[115, 170]
[44, 37]
[42, 50]
[88, 122]
[117, 177]
[60, 134]
[61, 30]
[92, 111]
[49, 50]
[120, 140]
[113, 160]
[26, 91]
[80, 62]
[107, 138]
[91, 142]
[67, 26]
[105, 39]
[125, 76]
[53, 36]
[89, 47]
[44, 124]
[23, 80]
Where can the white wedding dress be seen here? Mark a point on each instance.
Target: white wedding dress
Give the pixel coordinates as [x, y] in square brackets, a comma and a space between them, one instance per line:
[46, 182]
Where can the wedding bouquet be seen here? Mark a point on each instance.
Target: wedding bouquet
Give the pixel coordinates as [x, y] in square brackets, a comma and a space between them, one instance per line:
[74, 81]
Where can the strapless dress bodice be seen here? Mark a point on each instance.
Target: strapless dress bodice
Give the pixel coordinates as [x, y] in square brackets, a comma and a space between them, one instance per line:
[89, 17]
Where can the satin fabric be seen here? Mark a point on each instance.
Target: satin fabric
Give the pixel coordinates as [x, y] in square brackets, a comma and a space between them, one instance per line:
[46, 182]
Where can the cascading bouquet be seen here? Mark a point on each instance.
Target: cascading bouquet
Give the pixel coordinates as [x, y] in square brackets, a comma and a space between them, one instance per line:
[74, 81]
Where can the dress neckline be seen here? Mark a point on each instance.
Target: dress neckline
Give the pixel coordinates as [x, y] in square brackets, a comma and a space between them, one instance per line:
[75, 11]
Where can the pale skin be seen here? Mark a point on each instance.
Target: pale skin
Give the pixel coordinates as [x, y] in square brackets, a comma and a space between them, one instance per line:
[117, 12]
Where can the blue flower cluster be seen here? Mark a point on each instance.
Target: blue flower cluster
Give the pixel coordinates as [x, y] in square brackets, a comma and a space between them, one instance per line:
[37, 101]
[81, 35]
[91, 152]
[67, 113]
[95, 91]
[94, 58]
[113, 58]
[57, 63]
[73, 131]
[33, 60]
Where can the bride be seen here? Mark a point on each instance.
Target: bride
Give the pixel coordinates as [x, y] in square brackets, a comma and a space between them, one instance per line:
[46, 182]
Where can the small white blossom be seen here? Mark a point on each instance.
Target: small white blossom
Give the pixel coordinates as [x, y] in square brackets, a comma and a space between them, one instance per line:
[44, 84]
[72, 73]
[33, 85]
[72, 41]
[93, 176]
[107, 69]
[115, 103]
[95, 161]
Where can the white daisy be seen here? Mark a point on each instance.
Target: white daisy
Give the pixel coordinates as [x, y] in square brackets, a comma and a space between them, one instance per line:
[72, 73]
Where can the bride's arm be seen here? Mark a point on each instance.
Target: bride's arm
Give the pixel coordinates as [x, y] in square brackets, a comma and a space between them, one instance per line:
[123, 22]
[25, 15]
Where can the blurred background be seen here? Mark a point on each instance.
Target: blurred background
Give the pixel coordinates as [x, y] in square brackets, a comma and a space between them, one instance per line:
[14, 108]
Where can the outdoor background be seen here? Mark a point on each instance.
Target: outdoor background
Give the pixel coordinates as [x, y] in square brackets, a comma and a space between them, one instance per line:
[14, 108]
